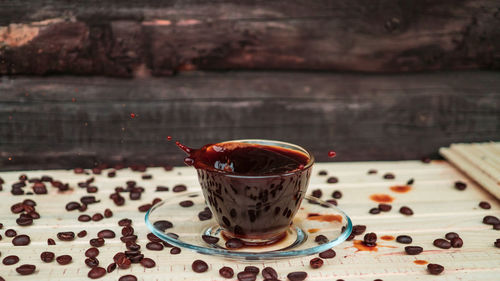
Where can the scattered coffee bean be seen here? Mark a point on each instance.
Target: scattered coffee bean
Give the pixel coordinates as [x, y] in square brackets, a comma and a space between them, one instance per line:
[297, 276]
[337, 194]
[199, 266]
[106, 234]
[17, 208]
[186, 203]
[21, 240]
[179, 188]
[253, 269]
[154, 246]
[434, 268]
[404, 239]
[234, 243]
[111, 267]
[322, 173]
[84, 218]
[389, 176]
[92, 262]
[332, 180]
[10, 233]
[491, 220]
[24, 221]
[451, 235]
[413, 250]
[332, 201]
[210, 239]
[66, 236]
[457, 242]
[328, 254]
[372, 171]
[410, 182]
[128, 277]
[26, 269]
[226, 272]
[87, 200]
[47, 256]
[10, 260]
[317, 193]
[123, 262]
[370, 239]
[460, 185]
[374, 211]
[162, 188]
[246, 276]
[321, 239]
[148, 263]
[484, 205]
[384, 207]
[205, 215]
[147, 177]
[144, 208]
[497, 243]
[127, 231]
[92, 252]
[351, 236]
[496, 226]
[96, 272]
[64, 259]
[406, 211]
[358, 229]
[316, 263]
[269, 273]
[441, 243]
[51, 242]
[97, 242]
[125, 222]
[108, 213]
[97, 217]
[130, 238]
[163, 225]
[82, 234]
[175, 251]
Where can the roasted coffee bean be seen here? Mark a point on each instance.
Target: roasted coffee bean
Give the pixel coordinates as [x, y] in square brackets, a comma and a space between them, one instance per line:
[125, 222]
[82, 234]
[23, 221]
[317, 193]
[457, 242]
[297, 276]
[96, 272]
[328, 254]
[96, 242]
[111, 267]
[332, 201]
[47, 256]
[410, 182]
[451, 235]
[321, 239]
[162, 188]
[316, 263]
[84, 218]
[136, 259]
[374, 211]
[441, 243]
[246, 276]
[26, 269]
[82, 208]
[118, 256]
[496, 226]
[179, 188]
[39, 188]
[10, 260]
[66, 236]
[205, 215]
[337, 194]
[92, 252]
[163, 225]
[413, 250]
[370, 239]
[332, 180]
[491, 220]
[64, 259]
[130, 253]
[108, 213]
[406, 211]
[497, 243]
[253, 269]
[127, 231]
[226, 272]
[106, 233]
[1, 225]
[92, 262]
[123, 262]
[186, 203]
[10, 233]
[210, 239]
[97, 217]
[234, 243]
[87, 200]
[17, 208]
[269, 273]
[156, 201]
[130, 238]
[135, 195]
[92, 189]
[175, 251]
[17, 191]
[351, 236]
[322, 173]
[199, 266]
[404, 239]
[484, 205]
[389, 176]
[148, 263]
[21, 240]
[434, 268]
[154, 246]
[460, 185]
[358, 229]
[51, 242]
[34, 215]
[132, 246]
[384, 207]
[128, 277]
[147, 177]
[144, 208]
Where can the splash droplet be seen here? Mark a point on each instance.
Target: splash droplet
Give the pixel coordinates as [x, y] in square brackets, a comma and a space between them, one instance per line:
[331, 153]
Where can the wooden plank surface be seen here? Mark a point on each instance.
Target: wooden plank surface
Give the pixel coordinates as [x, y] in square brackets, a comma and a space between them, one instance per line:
[439, 208]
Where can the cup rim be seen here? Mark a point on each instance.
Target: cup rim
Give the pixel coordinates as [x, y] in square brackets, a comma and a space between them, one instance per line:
[270, 143]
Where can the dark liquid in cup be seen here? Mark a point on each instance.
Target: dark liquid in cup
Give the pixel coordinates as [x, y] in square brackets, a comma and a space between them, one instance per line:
[260, 206]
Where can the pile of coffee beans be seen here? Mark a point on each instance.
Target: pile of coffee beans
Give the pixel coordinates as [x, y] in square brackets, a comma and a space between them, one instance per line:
[452, 240]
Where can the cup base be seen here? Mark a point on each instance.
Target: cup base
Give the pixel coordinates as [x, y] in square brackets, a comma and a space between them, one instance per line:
[256, 242]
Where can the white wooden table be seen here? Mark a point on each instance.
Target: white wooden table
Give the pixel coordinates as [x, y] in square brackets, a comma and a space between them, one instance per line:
[439, 208]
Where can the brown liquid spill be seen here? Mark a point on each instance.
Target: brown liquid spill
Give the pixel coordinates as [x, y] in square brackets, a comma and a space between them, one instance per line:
[313, 230]
[324, 218]
[381, 198]
[420, 262]
[387, 238]
[400, 188]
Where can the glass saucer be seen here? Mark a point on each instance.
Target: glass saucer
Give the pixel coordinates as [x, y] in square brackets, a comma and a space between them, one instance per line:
[314, 217]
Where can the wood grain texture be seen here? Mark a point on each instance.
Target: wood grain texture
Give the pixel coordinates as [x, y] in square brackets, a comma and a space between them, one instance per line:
[70, 121]
[438, 206]
[128, 38]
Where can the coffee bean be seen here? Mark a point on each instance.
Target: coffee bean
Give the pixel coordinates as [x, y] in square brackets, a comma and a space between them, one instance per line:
[10, 233]
[175, 251]
[111, 267]
[404, 239]
[269, 273]
[87, 200]
[210, 239]
[186, 203]
[246, 276]
[328, 254]
[484, 205]
[123, 262]
[21, 240]
[64, 259]
[92, 252]
[135, 195]
[317, 193]
[297, 276]
[23, 221]
[406, 211]
[451, 235]
[496, 226]
[10, 260]
[82, 234]
[39, 188]
[97, 217]
[127, 231]
[66, 236]
[154, 246]
[322, 173]
[226, 272]
[17, 208]
[332, 180]
[337, 194]
[130, 238]
[92, 262]
[384, 207]
[460, 185]
[1, 225]
[410, 182]
[497, 243]
[441, 243]
[358, 229]
[148, 263]
[389, 176]
[34, 215]
[321, 239]
[234, 243]
[108, 213]
[26, 269]
[125, 222]
[457, 242]
[491, 220]
[370, 239]
[144, 208]
[434, 268]
[132, 246]
[316, 263]
[162, 188]
[163, 225]
[413, 250]
[351, 236]
[96, 242]
[83, 208]
[179, 188]
[128, 277]
[96, 272]
[199, 266]
[253, 269]
[374, 211]
[106, 233]
[84, 218]
[51, 242]
[205, 215]
[47, 256]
